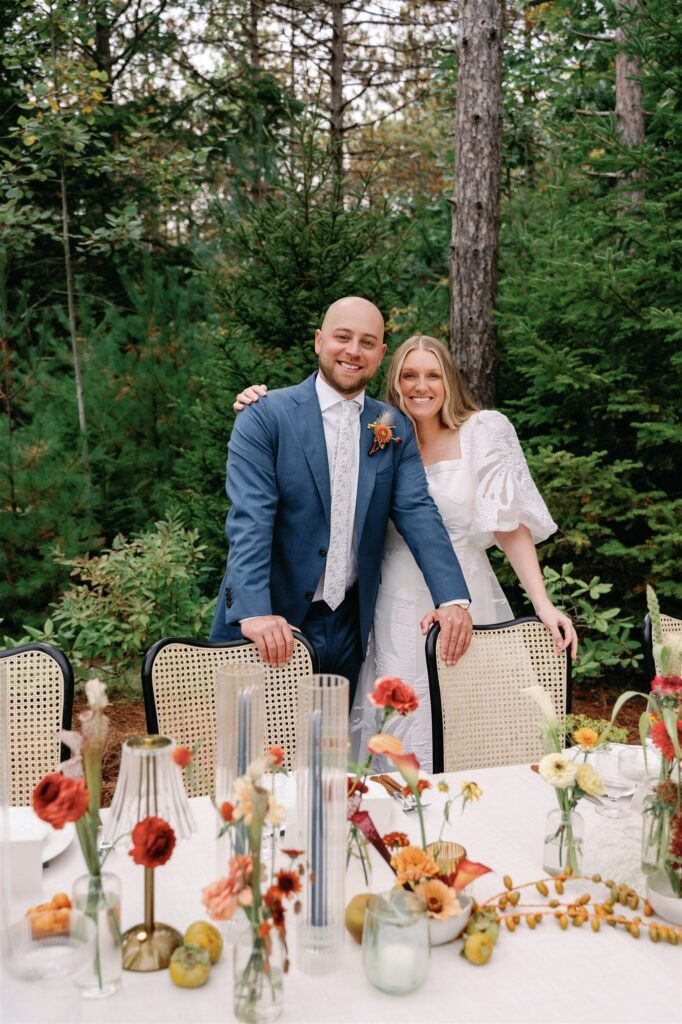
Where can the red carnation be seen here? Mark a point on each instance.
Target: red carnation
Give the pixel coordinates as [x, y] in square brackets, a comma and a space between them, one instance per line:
[58, 799]
[391, 692]
[153, 842]
[667, 686]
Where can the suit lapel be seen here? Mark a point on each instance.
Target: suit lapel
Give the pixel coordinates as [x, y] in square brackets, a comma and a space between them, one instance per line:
[369, 465]
[306, 420]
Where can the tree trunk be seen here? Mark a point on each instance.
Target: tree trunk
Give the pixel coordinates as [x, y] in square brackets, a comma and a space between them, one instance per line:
[629, 98]
[71, 306]
[337, 58]
[103, 57]
[476, 202]
[256, 186]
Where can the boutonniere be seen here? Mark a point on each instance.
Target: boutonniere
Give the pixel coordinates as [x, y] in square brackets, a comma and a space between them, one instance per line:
[383, 433]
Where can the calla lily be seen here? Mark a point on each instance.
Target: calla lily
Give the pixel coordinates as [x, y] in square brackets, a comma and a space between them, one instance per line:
[385, 744]
[551, 728]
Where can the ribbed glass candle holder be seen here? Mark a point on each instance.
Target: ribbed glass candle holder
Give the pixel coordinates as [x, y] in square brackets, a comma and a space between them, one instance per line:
[321, 763]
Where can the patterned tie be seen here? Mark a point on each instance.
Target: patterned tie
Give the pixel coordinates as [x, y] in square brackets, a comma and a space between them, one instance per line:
[337, 555]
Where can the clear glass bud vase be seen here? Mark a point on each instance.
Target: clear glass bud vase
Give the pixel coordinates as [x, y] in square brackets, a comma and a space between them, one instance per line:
[99, 897]
[563, 849]
[258, 977]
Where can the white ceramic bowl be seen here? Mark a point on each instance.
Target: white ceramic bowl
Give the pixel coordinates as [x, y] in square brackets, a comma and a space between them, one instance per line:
[662, 898]
[448, 930]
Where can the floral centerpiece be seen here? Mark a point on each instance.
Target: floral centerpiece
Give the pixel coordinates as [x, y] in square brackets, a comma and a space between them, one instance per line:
[261, 956]
[571, 780]
[422, 868]
[661, 721]
[73, 795]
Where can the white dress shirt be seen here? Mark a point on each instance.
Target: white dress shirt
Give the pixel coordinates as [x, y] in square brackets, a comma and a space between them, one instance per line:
[330, 406]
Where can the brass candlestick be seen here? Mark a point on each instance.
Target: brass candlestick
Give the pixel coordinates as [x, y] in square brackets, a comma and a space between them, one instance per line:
[149, 785]
[149, 946]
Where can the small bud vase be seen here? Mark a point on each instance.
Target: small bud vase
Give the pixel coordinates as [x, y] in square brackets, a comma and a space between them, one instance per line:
[563, 849]
[258, 977]
[99, 898]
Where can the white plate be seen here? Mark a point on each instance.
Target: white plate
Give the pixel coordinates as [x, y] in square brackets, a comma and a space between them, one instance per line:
[55, 840]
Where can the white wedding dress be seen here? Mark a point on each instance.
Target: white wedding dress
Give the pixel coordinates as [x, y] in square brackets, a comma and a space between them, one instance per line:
[488, 489]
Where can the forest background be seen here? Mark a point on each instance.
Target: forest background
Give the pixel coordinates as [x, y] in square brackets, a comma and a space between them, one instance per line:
[187, 185]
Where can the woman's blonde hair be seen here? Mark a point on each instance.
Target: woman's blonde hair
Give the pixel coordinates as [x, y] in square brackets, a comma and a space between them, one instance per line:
[459, 403]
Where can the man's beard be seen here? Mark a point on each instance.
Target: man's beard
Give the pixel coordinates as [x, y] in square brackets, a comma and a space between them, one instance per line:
[328, 369]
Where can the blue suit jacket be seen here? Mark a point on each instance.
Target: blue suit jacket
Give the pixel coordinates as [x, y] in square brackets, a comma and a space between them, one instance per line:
[278, 524]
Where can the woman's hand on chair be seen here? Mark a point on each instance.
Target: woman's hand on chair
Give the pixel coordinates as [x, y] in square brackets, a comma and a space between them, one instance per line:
[560, 626]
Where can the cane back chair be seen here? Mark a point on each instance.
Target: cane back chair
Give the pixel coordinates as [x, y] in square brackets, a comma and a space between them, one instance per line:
[178, 683]
[39, 683]
[671, 629]
[480, 718]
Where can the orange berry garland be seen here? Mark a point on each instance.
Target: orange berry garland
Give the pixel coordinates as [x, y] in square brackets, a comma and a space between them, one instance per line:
[507, 908]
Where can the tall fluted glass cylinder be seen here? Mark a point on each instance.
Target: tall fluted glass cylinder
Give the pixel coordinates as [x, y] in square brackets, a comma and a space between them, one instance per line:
[240, 728]
[321, 762]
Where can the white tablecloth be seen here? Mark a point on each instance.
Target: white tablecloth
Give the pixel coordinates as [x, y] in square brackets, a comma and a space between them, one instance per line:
[542, 975]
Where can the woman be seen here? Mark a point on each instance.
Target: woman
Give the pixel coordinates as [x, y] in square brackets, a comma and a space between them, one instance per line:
[479, 479]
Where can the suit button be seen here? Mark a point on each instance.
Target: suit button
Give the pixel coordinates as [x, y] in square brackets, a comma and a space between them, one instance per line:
[309, 595]
[322, 552]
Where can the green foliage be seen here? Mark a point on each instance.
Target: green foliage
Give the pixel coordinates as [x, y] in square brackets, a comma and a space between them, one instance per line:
[274, 272]
[605, 633]
[123, 600]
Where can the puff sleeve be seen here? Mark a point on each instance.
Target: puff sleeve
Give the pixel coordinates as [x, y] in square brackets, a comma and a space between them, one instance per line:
[505, 495]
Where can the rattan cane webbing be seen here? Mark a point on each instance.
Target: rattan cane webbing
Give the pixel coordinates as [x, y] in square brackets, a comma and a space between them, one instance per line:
[183, 678]
[670, 628]
[487, 721]
[35, 704]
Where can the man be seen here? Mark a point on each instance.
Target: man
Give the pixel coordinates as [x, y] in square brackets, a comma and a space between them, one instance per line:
[311, 491]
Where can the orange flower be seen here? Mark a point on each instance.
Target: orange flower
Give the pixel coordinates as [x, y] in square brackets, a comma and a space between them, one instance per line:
[277, 756]
[153, 842]
[221, 898]
[264, 929]
[293, 853]
[58, 799]
[440, 899]
[383, 744]
[227, 811]
[383, 434]
[413, 865]
[182, 756]
[288, 883]
[395, 839]
[422, 784]
[391, 692]
[586, 738]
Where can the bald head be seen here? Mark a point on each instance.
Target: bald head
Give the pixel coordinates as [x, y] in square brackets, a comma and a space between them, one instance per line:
[350, 344]
[362, 313]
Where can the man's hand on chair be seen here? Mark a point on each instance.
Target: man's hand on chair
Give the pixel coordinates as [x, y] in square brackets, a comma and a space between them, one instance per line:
[455, 631]
[273, 637]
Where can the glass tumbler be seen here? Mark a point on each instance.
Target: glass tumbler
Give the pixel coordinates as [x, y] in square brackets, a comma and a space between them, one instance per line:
[395, 942]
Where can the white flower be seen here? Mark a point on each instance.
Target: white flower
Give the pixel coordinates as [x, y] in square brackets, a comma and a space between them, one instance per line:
[589, 781]
[96, 693]
[275, 813]
[558, 770]
[243, 796]
[255, 769]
